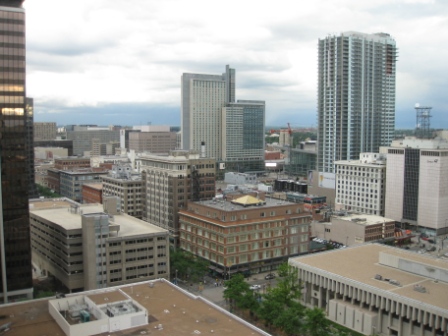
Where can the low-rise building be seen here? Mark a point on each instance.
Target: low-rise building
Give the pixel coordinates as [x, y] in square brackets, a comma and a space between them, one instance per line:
[92, 193]
[247, 234]
[71, 182]
[354, 229]
[90, 246]
[377, 290]
[155, 307]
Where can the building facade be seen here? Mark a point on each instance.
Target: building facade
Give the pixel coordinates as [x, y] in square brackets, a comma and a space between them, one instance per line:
[71, 181]
[416, 186]
[361, 184]
[354, 229]
[242, 145]
[91, 246]
[153, 142]
[82, 138]
[356, 96]
[377, 290]
[45, 131]
[128, 186]
[246, 235]
[92, 193]
[15, 251]
[170, 181]
[202, 100]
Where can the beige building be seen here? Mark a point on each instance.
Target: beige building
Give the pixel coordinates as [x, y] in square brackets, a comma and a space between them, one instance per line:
[44, 131]
[361, 184]
[49, 153]
[127, 185]
[88, 246]
[246, 234]
[153, 142]
[354, 229]
[170, 181]
[376, 289]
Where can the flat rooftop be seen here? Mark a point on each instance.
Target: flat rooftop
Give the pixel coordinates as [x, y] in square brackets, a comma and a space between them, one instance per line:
[180, 313]
[222, 204]
[363, 219]
[60, 212]
[361, 264]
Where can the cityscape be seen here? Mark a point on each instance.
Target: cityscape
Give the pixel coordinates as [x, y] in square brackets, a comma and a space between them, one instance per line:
[237, 210]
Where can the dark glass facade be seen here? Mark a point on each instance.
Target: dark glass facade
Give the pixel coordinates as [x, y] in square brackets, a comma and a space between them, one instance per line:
[16, 276]
[411, 181]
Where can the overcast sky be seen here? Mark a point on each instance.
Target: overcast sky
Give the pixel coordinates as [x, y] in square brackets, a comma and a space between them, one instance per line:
[120, 61]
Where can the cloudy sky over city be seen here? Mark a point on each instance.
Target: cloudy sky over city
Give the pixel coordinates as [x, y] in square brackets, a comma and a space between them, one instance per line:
[120, 61]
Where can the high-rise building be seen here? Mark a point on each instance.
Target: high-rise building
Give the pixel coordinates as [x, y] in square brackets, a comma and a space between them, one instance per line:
[232, 131]
[203, 97]
[243, 136]
[15, 249]
[356, 96]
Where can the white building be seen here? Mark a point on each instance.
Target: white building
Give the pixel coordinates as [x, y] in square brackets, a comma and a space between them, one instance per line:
[356, 96]
[361, 184]
[417, 184]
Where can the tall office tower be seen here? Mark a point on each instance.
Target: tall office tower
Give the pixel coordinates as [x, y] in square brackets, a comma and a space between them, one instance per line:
[15, 249]
[243, 136]
[203, 97]
[356, 96]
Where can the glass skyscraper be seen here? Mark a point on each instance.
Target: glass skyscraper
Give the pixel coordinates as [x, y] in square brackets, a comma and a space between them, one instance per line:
[16, 276]
[356, 96]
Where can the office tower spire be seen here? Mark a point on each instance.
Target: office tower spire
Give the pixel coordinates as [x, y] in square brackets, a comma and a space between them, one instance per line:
[356, 96]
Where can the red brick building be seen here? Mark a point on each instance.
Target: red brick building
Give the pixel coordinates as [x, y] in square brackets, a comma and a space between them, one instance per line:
[92, 193]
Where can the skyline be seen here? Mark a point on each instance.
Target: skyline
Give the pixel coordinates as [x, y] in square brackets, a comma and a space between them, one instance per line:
[120, 62]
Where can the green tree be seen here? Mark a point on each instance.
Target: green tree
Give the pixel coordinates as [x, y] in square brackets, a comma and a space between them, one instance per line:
[316, 324]
[239, 294]
[187, 265]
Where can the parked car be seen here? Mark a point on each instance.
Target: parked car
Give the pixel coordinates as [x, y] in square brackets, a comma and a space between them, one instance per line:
[255, 287]
[269, 276]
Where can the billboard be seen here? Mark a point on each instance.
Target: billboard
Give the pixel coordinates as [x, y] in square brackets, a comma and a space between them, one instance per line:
[327, 180]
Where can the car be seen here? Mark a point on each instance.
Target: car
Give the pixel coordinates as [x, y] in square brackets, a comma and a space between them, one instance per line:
[255, 287]
[269, 276]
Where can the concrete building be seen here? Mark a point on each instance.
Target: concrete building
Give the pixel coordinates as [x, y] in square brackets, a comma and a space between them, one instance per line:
[44, 131]
[153, 142]
[242, 144]
[49, 153]
[301, 162]
[356, 96]
[127, 185]
[246, 234]
[90, 246]
[71, 181]
[240, 178]
[147, 308]
[92, 193]
[416, 184]
[170, 181]
[354, 229]
[15, 157]
[82, 138]
[103, 148]
[361, 184]
[70, 163]
[68, 144]
[203, 97]
[376, 289]
[232, 131]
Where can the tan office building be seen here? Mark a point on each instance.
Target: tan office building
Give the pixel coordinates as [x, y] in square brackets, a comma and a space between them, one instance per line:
[88, 246]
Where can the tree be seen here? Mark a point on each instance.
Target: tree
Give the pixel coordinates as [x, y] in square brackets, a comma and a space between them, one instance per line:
[239, 294]
[316, 323]
[187, 265]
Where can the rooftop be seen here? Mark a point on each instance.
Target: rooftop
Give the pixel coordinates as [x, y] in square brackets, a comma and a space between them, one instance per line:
[362, 219]
[407, 270]
[170, 311]
[98, 186]
[223, 204]
[57, 211]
